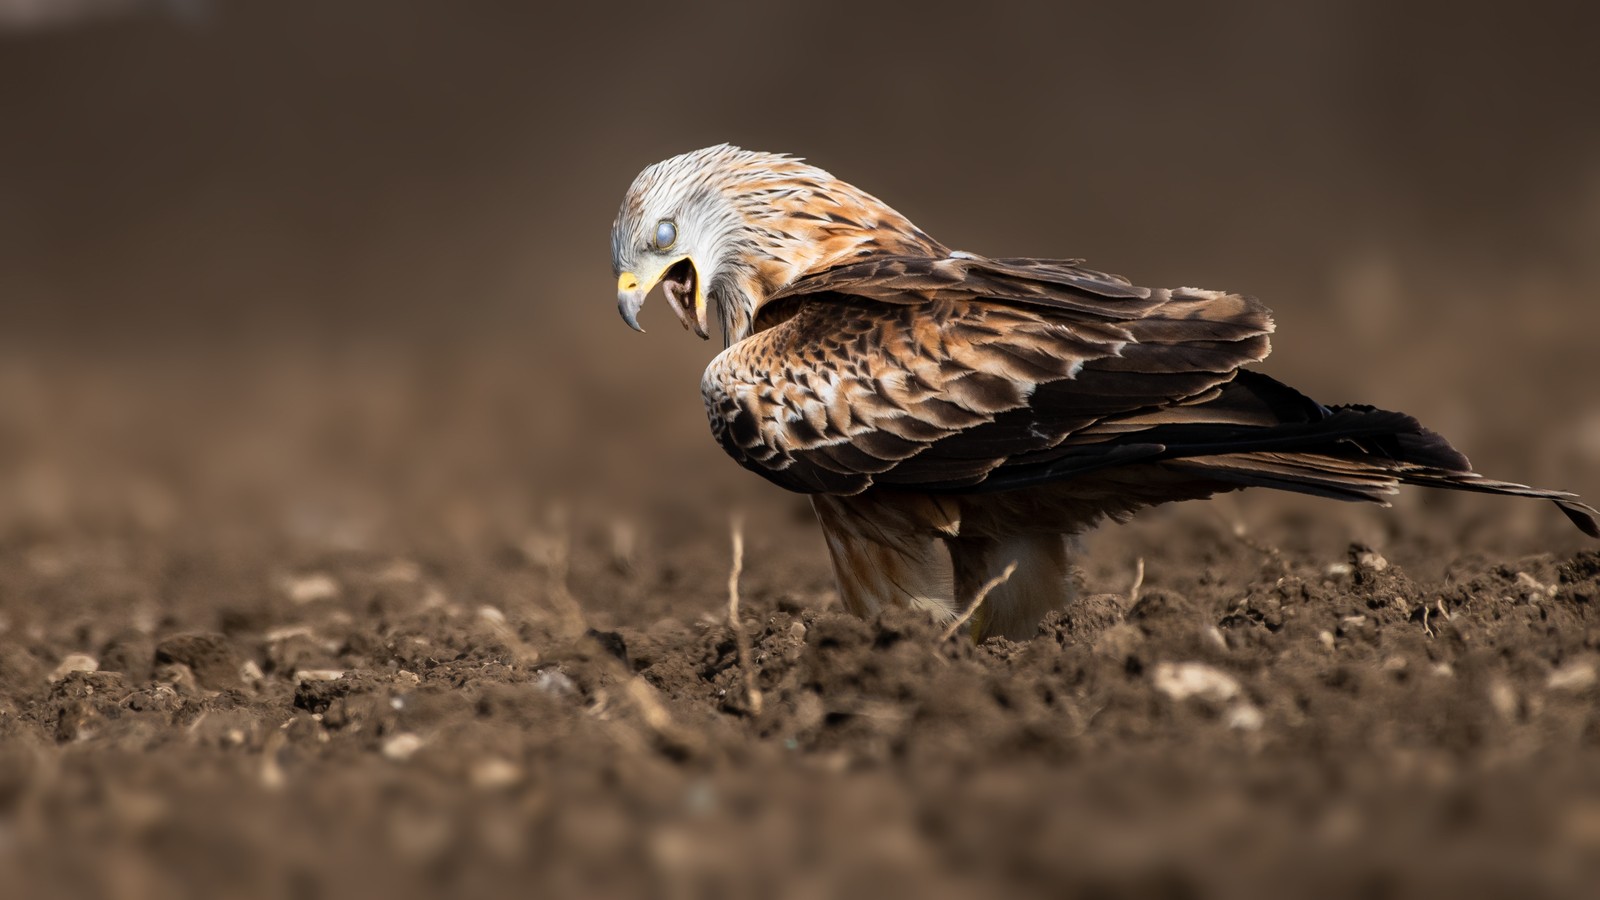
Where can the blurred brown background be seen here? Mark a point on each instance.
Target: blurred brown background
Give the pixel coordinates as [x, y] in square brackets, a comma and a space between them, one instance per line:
[408, 202]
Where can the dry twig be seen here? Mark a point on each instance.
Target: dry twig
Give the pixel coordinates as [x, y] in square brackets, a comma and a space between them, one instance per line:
[741, 640]
[644, 697]
[972, 608]
[1241, 533]
[569, 611]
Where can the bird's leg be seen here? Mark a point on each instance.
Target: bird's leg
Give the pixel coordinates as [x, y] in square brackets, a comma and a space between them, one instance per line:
[879, 565]
[1041, 582]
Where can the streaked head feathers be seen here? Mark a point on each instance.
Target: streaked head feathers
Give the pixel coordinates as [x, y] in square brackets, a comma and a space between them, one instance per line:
[747, 224]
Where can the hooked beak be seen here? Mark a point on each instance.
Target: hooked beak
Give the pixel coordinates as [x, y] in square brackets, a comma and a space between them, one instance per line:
[681, 283]
[630, 297]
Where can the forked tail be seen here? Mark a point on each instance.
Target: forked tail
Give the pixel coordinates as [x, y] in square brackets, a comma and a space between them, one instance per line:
[1342, 452]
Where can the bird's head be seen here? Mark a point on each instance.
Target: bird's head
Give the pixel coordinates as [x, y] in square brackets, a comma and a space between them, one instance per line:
[725, 228]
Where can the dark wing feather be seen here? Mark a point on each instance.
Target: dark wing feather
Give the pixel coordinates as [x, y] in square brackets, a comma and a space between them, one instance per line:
[964, 374]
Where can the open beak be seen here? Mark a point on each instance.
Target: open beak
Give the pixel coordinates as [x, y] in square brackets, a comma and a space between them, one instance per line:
[680, 282]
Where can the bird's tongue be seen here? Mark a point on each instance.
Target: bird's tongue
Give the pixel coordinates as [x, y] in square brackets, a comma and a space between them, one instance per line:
[679, 286]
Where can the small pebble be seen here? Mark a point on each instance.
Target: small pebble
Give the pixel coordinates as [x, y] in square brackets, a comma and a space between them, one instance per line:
[402, 746]
[494, 772]
[74, 662]
[1180, 681]
[289, 632]
[1246, 717]
[556, 682]
[310, 588]
[1369, 559]
[1503, 699]
[1575, 676]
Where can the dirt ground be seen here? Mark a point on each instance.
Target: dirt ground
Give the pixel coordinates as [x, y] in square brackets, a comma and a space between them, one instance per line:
[406, 670]
[350, 546]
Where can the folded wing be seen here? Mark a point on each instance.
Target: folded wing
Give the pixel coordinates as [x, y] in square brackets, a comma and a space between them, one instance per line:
[967, 374]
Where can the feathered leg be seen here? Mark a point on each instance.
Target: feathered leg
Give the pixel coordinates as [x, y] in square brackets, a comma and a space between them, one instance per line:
[1013, 609]
[879, 565]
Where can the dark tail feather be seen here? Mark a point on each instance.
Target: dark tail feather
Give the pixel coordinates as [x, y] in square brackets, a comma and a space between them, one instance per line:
[1349, 453]
[1344, 478]
[1586, 517]
[1257, 432]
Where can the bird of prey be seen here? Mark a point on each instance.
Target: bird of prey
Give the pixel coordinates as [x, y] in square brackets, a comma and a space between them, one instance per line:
[952, 414]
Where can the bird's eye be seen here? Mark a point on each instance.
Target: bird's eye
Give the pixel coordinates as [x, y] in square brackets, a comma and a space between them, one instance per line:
[666, 234]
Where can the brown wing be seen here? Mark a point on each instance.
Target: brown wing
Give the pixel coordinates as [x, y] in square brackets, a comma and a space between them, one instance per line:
[936, 373]
[966, 374]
